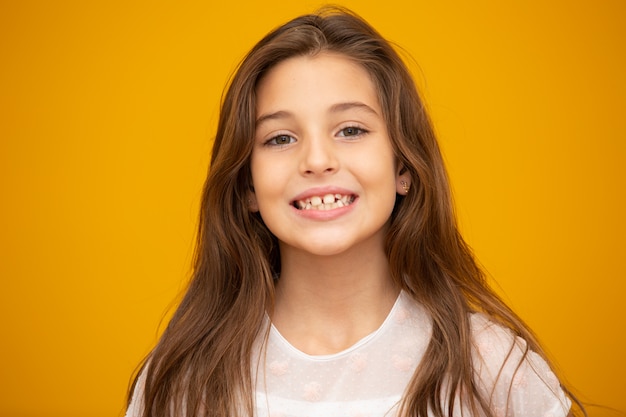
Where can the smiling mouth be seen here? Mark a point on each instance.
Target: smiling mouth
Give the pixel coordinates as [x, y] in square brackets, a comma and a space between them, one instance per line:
[325, 202]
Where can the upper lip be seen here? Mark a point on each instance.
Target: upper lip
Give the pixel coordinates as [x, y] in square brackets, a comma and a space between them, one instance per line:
[321, 192]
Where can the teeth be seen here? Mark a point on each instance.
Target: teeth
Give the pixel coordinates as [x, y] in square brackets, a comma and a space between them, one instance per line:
[326, 202]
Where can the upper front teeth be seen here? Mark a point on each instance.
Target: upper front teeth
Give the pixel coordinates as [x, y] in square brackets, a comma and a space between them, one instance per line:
[326, 202]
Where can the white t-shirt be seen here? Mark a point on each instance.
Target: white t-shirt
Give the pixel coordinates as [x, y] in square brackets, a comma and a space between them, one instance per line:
[369, 378]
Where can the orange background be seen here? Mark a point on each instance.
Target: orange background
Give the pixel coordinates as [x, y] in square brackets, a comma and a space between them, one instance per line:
[107, 109]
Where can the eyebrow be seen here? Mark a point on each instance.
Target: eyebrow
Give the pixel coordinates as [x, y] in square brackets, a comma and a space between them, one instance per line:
[273, 116]
[339, 107]
[335, 108]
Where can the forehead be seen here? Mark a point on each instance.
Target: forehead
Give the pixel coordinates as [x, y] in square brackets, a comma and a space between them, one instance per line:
[321, 80]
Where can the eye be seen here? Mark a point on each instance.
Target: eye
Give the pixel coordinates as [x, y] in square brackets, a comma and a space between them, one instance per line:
[352, 131]
[280, 140]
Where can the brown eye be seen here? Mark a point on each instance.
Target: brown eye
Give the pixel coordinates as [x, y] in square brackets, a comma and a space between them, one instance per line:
[351, 131]
[280, 140]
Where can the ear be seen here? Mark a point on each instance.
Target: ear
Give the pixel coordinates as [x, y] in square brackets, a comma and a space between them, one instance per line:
[403, 180]
[253, 206]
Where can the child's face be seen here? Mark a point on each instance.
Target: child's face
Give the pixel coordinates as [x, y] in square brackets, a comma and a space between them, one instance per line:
[321, 136]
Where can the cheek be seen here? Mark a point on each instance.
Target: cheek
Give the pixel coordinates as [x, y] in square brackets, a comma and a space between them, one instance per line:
[380, 172]
[266, 179]
[256, 172]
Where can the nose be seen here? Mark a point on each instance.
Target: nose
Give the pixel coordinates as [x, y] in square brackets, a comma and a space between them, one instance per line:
[319, 157]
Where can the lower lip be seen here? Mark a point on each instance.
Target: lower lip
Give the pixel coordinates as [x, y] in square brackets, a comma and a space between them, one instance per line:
[324, 215]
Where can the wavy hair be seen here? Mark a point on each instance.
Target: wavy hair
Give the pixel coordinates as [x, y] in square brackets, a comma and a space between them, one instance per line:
[202, 363]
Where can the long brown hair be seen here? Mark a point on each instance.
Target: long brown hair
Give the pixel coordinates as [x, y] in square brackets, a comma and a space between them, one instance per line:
[202, 363]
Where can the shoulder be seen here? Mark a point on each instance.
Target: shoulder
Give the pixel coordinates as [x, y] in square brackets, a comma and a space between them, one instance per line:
[492, 342]
[135, 407]
[516, 380]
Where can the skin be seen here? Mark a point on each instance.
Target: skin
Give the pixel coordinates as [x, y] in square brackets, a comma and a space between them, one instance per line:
[320, 130]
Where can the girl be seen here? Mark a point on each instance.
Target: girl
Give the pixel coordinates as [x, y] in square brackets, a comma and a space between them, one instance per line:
[330, 277]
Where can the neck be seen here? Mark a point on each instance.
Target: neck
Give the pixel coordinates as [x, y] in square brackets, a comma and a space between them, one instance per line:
[325, 304]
